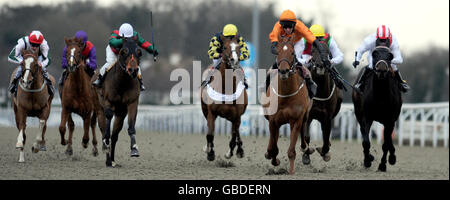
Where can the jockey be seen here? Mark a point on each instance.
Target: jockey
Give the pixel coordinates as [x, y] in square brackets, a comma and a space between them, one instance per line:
[88, 53]
[113, 48]
[289, 25]
[336, 55]
[383, 37]
[34, 41]
[216, 44]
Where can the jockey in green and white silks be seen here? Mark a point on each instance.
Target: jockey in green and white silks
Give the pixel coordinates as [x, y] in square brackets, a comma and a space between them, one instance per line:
[114, 46]
[34, 41]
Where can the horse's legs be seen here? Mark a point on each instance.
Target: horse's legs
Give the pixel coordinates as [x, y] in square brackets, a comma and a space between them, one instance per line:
[21, 138]
[326, 130]
[295, 131]
[365, 130]
[118, 124]
[71, 125]
[209, 148]
[94, 136]
[304, 141]
[39, 137]
[387, 146]
[86, 125]
[234, 139]
[132, 113]
[62, 125]
[272, 149]
[109, 113]
[240, 150]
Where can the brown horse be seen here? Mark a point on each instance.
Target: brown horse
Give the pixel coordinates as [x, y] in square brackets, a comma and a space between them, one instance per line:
[119, 97]
[226, 97]
[32, 100]
[288, 102]
[326, 103]
[77, 96]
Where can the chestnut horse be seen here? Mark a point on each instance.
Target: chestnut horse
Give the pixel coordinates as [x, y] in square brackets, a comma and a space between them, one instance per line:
[288, 103]
[32, 100]
[380, 101]
[326, 103]
[77, 96]
[119, 97]
[225, 96]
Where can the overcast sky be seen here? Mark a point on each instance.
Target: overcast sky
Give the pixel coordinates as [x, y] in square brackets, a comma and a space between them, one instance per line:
[418, 24]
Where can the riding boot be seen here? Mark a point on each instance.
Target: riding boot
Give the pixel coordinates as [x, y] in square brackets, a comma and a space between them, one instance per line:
[403, 86]
[13, 86]
[310, 84]
[210, 74]
[141, 83]
[99, 81]
[62, 79]
[49, 82]
[361, 79]
[337, 81]
[274, 66]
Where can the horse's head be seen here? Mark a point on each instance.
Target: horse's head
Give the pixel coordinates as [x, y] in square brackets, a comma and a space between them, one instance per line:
[381, 57]
[286, 57]
[231, 51]
[129, 56]
[30, 67]
[74, 47]
[317, 64]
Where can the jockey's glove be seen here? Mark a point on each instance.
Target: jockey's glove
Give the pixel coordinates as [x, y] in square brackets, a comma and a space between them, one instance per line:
[355, 63]
[274, 48]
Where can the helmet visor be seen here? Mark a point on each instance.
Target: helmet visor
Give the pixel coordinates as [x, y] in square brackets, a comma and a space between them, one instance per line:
[287, 24]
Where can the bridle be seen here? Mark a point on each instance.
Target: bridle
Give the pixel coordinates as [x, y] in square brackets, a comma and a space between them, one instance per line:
[291, 63]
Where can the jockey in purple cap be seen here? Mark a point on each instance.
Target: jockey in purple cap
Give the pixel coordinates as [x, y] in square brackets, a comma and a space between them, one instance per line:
[88, 53]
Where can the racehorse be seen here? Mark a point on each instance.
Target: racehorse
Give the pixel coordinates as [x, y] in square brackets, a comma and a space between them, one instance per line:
[292, 104]
[32, 100]
[119, 97]
[380, 101]
[77, 96]
[326, 103]
[225, 96]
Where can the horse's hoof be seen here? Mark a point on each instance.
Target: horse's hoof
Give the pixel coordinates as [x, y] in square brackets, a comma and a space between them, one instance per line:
[21, 160]
[228, 155]
[305, 159]
[275, 162]
[382, 167]
[69, 152]
[327, 157]
[95, 152]
[392, 159]
[240, 153]
[211, 156]
[63, 142]
[367, 162]
[134, 153]
[85, 143]
[266, 155]
[34, 149]
[43, 148]
[109, 164]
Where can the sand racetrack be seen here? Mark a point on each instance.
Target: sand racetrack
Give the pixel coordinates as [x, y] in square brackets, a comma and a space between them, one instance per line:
[171, 156]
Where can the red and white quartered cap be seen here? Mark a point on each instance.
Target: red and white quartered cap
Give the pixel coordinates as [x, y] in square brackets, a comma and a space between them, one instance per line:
[383, 32]
[36, 37]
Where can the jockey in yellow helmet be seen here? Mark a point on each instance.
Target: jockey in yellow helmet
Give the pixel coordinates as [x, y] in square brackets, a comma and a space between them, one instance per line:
[215, 48]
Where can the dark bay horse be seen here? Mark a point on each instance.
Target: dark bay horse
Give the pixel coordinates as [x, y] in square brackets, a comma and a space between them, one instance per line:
[32, 100]
[326, 103]
[225, 96]
[119, 97]
[77, 96]
[288, 102]
[380, 101]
